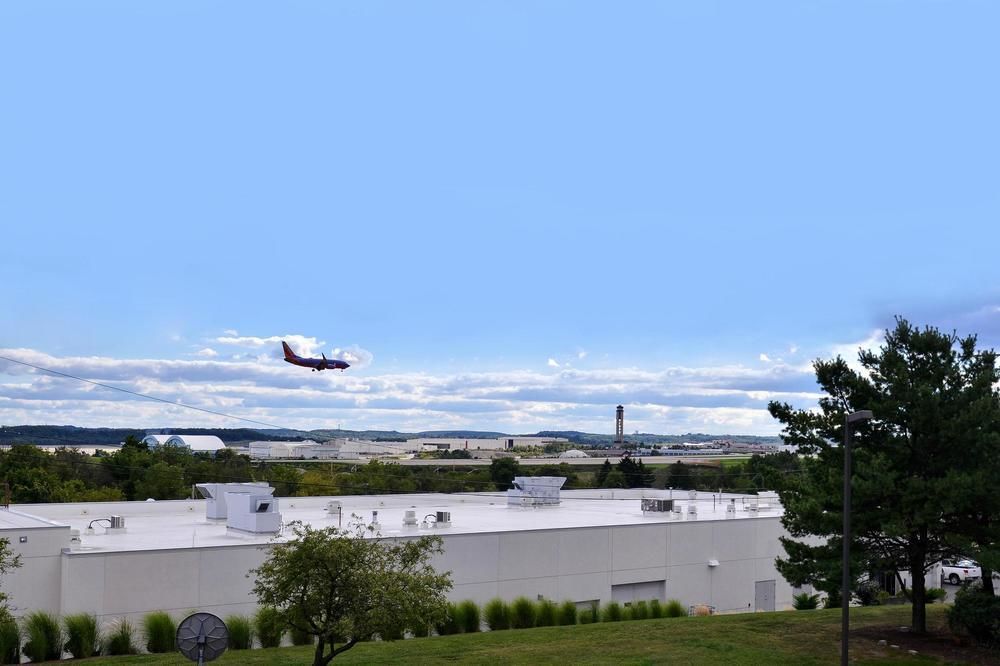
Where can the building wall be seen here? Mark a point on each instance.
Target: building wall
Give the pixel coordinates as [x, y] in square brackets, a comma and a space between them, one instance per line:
[35, 585]
[577, 564]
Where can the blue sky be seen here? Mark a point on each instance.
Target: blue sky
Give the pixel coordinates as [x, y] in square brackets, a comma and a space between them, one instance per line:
[512, 216]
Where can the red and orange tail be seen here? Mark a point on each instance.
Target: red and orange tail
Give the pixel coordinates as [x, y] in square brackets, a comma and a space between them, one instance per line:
[288, 350]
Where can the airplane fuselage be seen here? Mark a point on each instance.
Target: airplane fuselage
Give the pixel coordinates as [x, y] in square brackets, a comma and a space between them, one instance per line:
[318, 363]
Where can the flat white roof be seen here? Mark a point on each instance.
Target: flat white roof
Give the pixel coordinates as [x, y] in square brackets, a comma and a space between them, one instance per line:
[182, 523]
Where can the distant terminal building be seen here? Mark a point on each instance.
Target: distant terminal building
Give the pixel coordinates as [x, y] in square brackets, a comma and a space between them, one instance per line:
[744, 447]
[504, 443]
[125, 559]
[342, 448]
[264, 449]
[196, 443]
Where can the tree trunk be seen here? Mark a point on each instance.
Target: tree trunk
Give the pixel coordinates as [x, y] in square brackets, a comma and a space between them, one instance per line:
[918, 592]
[320, 648]
[987, 580]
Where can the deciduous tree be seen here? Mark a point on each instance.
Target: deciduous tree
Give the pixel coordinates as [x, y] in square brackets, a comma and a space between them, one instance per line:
[346, 586]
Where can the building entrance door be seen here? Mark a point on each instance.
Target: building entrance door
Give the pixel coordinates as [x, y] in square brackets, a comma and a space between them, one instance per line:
[764, 595]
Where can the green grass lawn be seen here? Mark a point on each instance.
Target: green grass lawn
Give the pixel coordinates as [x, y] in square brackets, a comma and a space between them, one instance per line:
[792, 637]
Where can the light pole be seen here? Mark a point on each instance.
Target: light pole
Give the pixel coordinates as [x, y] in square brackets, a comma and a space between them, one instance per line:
[845, 583]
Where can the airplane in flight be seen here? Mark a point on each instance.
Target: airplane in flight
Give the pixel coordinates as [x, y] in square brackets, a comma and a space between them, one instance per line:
[314, 363]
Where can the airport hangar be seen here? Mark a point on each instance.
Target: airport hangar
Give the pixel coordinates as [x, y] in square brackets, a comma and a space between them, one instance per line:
[125, 559]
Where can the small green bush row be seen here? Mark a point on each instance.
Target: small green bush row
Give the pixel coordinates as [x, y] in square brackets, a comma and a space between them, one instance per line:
[41, 637]
[524, 613]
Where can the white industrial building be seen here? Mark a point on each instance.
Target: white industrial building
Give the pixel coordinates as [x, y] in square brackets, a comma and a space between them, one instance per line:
[128, 558]
[505, 443]
[264, 450]
[349, 449]
[196, 443]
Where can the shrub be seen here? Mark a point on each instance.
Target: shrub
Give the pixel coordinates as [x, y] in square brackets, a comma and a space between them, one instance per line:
[121, 639]
[300, 637]
[545, 613]
[655, 608]
[935, 594]
[82, 636]
[161, 632]
[44, 637]
[269, 627]
[468, 616]
[10, 640]
[448, 624]
[240, 632]
[567, 613]
[640, 610]
[977, 615]
[497, 615]
[674, 608]
[805, 601]
[867, 592]
[590, 615]
[522, 613]
[612, 612]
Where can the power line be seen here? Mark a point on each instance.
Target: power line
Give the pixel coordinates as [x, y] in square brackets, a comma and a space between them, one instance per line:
[142, 395]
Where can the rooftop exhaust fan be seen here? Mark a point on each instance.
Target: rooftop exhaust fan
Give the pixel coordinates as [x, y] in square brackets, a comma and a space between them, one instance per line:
[535, 491]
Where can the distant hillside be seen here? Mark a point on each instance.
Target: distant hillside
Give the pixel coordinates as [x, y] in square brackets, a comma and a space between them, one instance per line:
[48, 435]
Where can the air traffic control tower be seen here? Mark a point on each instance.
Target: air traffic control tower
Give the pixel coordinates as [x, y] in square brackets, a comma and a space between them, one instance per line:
[619, 426]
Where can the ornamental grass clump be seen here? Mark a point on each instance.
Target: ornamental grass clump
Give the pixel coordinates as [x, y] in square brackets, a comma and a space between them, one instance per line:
[674, 608]
[655, 609]
[567, 613]
[44, 637]
[805, 601]
[497, 615]
[161, 632]
[269, 627]
[640, 610]
[612, 612]
[522, 613]
[240, 632]
[545, 613]
[82, 635]
[590, 615]
[468, 616]
[121, 639]
[10, 640]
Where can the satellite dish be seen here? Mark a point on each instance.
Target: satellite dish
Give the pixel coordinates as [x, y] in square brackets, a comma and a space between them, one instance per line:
[202, 637]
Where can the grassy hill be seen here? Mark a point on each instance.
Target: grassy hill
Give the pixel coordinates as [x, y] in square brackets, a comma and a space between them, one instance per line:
[793, 637]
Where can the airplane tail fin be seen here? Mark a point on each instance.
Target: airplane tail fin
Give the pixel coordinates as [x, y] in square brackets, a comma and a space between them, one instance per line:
[288, 350]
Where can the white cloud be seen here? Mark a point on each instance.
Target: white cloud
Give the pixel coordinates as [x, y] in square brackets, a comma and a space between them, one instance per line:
[849, 351]
[718, 399]
[552, 363]
[207, 352]
[358, 358]
[581, 354]
[765, 358]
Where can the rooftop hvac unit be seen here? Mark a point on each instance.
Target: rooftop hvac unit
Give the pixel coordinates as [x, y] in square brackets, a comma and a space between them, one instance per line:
[215, 495]
[442, 519]
[410, 518]
[655, 505]
[731, 509]
[692, 510]
[535, 491]
[256, 513]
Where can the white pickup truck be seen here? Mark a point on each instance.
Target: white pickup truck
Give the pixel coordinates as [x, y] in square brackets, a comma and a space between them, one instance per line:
[959, 571]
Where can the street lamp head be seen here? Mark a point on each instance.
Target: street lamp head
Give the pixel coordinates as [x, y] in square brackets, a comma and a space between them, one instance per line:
[861, 415]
